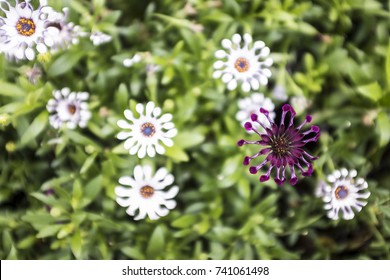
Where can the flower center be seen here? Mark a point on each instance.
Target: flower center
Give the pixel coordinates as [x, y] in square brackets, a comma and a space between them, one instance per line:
[280, 146]
[341, 192]
[241, 64]
[72, 109]
[25, 27]
[148, 129]
[147, 191]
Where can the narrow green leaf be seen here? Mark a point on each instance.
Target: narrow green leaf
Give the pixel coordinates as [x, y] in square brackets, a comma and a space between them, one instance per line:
[156, 243]
[187, 139]
[176, 153]
[185, 221]
[64, 63]
[383, 128]
[88, 163]
[133, 253]
[10, 90]
[76, 245]
[48, 231]
[37, 126]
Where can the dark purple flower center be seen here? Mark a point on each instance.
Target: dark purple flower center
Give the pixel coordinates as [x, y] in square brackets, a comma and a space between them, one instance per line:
[341, 192]
[284, 146]
[25, 27]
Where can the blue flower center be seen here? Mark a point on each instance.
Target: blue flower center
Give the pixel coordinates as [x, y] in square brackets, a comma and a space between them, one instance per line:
[148, 129]
[241, 64]
[341, 192]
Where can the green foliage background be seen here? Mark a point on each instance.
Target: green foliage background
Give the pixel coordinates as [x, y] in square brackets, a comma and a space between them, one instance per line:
[334, 53]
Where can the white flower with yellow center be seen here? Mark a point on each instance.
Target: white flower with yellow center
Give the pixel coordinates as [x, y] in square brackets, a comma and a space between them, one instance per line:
[22, 29]
[146, 195]
[147, 131]
[344, 193]
[250, 105]
[247, 64]
[68, 108]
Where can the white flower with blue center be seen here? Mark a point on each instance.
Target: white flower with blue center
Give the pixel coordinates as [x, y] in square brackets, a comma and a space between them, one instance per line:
[146, 195]
[143, 135]
[247, 64]
[345, 193]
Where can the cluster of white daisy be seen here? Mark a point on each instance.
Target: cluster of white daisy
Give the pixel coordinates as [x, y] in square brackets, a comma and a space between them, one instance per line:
[25, 31]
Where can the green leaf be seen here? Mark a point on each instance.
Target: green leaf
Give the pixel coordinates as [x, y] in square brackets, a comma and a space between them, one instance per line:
[156, 243]
[133, 253]
[372, 91]
[48, 231]
[387, 70]
[88, 163]
[10, 90]
[383, 128]
[187, 139]
[64, 63]
[176, 153]
[185, 221]
[37, 126]
[92, 189]
[76, 245]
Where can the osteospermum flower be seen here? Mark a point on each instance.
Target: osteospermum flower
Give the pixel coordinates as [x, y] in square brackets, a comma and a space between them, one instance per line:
[250, 105]
[284, 146]
[345, 192]
[128, 62]
[68, 108]
[146, 193]
[147, 131]
[245, 64]
[63, 33]
[22, 29]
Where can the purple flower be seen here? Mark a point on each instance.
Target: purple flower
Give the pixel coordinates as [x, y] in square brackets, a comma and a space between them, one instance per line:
[284, 146]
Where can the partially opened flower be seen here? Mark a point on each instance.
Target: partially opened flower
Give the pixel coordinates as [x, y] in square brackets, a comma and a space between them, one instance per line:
[98, 38]
[68, 108]
[146, 132]
[250, 105]
[284, 146]
[247, 64]
[63, 33]
[23, 29]
[146, 195]
[344, 193]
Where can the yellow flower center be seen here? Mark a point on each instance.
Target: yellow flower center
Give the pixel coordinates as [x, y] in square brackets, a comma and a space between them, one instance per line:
[147, 191]
[241, 64]
[25, 27]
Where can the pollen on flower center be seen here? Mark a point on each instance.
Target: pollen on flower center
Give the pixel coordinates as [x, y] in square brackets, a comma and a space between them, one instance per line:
[241, 64]
[72, 109]
[147, 191]
[280, 146]
[341, 192]
[25, 27]
[148, 129]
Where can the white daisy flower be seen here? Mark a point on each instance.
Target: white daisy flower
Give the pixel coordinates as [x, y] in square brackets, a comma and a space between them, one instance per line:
[250, 105]
[99, 38]
[68, 108]
[146, 131]
[22, 29]
[243, 64]
[147, 193]
[345, 193]
[128, 62]
[63, 33]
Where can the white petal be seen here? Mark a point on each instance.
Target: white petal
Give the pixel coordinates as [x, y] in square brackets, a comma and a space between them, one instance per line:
[152, 214]
[142, 151]
[236, 39]
[227, 77]
[171, 133]
[138, 173]
[129, 115]
[218, 64]
[170, 204]
[217, 74]
[29, 53]
[147, 170]
[160, 149]
[226, 43]
[121, 191]
[124, 124]
[171, 193]
[124, 202]
[41, 48]
[248, 38]
[151, 151]
[167, 141]
[140, 108]
[258, 45]
[149, 108]
[165, 118]
[220, 54]
[246, 87]
[255, 84]
[232, 85]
